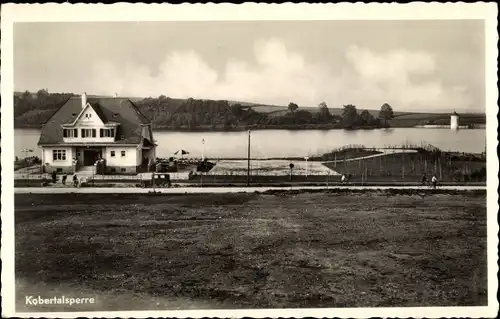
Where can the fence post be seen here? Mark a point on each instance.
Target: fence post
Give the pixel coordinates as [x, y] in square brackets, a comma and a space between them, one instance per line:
[366, 174]
[380, 165]
[440, 170]
[403, 168]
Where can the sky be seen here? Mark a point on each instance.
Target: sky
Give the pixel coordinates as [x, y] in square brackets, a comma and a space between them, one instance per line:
[414, 66]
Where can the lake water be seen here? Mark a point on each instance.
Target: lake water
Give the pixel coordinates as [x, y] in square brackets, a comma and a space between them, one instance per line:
[283, 143]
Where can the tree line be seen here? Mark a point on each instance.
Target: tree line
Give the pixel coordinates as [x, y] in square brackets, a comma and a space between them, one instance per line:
[32, 110]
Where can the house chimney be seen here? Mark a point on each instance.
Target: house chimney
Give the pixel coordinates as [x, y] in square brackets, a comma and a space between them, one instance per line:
[84, 100]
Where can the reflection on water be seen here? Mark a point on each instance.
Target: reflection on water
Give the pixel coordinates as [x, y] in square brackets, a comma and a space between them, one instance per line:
[298, 143]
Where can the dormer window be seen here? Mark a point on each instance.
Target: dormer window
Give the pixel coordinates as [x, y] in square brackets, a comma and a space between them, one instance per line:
[88, 115]
[70, 132]
[86, 133]
[107, 132]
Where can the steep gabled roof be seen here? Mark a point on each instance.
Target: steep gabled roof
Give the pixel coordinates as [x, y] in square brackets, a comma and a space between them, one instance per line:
[120, 110]
[95, 107]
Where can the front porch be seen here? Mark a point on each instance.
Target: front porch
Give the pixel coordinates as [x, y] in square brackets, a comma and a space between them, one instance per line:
[86, 158]
[148, 159]
[99, 159]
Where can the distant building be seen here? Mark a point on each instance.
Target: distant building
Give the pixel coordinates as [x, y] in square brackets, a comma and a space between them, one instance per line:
[84, 130]
[454, 121]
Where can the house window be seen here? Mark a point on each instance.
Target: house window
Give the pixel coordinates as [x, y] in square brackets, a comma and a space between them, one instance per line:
[88, 116]
[87, 132]
[70, 132]
[59, 155]
[123, 170]
[113, 170]
[123, 153]
[59, 170]
[107, 132]
[112, 153]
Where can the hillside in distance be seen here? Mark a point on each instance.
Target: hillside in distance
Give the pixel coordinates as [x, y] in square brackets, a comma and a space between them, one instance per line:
[279, 110]
[31, 110]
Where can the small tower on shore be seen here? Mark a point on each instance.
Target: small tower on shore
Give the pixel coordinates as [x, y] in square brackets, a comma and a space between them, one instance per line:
[454, 121]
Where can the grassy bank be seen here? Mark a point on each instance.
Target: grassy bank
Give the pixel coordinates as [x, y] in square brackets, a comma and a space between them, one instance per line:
[345, 153]
[253, 250]
[411, 166]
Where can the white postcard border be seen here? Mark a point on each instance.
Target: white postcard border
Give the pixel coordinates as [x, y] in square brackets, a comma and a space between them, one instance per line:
[12, 13]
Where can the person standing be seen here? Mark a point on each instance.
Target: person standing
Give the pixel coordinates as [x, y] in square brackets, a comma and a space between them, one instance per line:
[64, 178]
[54, 177]
[75, 180]
[434, 181]
[343, 179]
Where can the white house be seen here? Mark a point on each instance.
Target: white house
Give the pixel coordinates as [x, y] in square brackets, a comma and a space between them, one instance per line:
[84, 130]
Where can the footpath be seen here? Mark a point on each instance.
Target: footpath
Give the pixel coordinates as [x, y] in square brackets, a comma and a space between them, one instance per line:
[204, 190]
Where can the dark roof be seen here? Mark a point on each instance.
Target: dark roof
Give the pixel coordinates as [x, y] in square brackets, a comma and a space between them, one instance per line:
[97, 108]
[147, 143]
[115, 109]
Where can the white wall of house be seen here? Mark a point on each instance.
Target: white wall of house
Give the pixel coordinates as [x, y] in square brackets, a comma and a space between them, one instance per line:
[130, 158]
[89, 120]
[47, 156]
[139, 155]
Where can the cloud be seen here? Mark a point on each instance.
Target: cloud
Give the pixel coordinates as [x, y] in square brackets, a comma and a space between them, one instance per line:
[405, 79]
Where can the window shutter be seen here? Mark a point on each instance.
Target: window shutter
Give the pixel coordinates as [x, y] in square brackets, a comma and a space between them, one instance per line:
[76, 132]
[93, 132]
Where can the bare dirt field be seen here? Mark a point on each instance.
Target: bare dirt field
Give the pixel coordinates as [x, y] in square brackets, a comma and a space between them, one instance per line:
[281, 250]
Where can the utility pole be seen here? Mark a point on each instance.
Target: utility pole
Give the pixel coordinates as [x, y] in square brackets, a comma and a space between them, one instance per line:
[307, 166]
[203, 152]
[403, 168]
[248, 160]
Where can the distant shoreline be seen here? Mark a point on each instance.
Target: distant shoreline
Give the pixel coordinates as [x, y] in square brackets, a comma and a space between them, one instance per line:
[266, 128]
